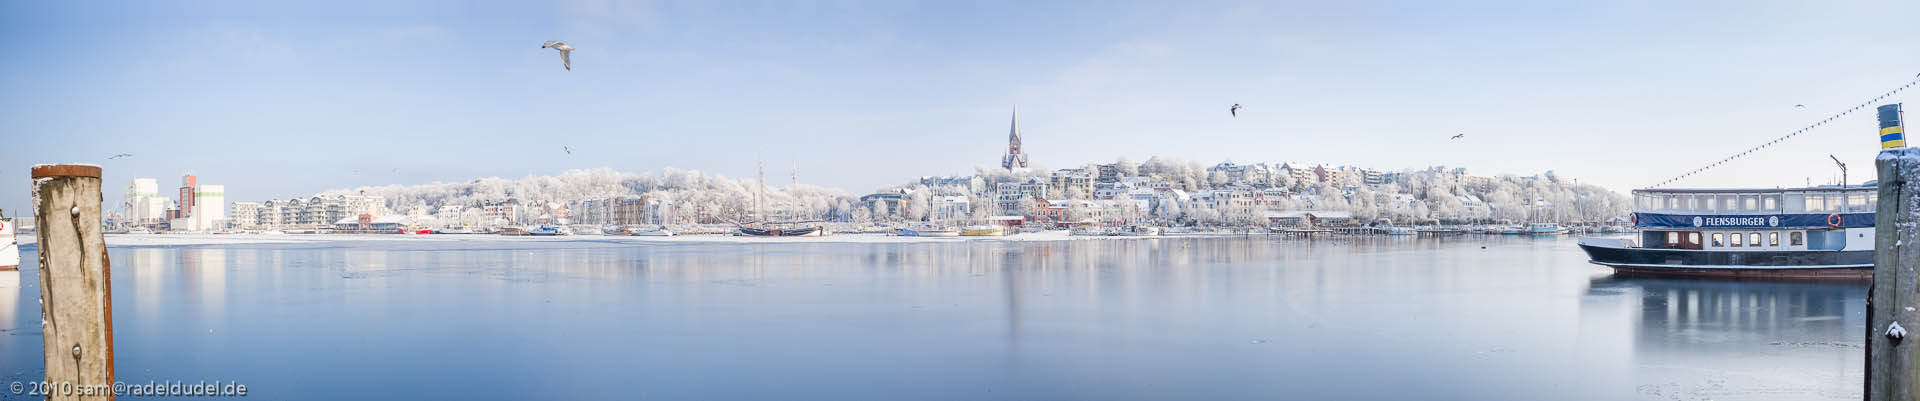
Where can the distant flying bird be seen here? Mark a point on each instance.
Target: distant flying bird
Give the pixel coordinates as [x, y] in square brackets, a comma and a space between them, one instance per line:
[1457, 136]
[565, 52]
[119, 156]
[569, 150]
[1799, 106]
[1235, 110]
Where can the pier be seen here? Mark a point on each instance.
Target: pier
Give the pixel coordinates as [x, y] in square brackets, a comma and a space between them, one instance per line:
[75, 284]
[1892, 301]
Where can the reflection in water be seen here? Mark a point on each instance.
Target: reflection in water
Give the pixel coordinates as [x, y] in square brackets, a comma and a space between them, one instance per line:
[1171, 318]
[1684, 312]
[9, 301]
[1721, 327]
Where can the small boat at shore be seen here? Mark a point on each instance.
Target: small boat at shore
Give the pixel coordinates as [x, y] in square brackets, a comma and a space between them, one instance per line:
[982, 231]
[930, 232]
[809, 231]
[1546, 229]
[550, 231]
[654, 231]
[9, 246]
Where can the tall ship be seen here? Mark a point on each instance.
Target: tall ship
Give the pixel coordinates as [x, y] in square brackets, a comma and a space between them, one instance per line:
[1800, 233]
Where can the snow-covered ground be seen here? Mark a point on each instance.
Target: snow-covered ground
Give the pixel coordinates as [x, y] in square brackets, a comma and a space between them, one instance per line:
[232, 239]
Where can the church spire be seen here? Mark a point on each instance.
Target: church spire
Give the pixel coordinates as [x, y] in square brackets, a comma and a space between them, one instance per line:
[1014, 157]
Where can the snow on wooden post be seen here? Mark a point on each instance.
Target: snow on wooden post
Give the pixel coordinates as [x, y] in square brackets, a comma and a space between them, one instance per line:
[76, 309]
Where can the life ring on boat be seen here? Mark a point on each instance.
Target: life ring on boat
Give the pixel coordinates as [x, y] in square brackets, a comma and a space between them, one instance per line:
[1634, 217]
[1833, 220]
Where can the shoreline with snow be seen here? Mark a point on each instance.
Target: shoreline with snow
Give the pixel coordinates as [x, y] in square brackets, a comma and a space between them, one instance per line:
[123, 240]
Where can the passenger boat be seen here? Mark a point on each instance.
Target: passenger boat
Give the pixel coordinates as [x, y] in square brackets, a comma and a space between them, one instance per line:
[1546, 229]
[9, 246]
[982, 231]
[1820, 232]
[1511, 230]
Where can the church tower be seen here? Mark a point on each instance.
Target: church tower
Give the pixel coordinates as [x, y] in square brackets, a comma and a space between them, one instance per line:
[1014, 157]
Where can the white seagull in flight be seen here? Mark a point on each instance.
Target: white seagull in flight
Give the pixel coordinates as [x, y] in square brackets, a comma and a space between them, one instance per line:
[565, 51]
[1235, 110]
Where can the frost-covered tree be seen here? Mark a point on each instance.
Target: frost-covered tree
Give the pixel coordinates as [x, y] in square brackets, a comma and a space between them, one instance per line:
[918, 204]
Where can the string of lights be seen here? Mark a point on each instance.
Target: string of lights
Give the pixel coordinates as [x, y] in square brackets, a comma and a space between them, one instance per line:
[1823, 122]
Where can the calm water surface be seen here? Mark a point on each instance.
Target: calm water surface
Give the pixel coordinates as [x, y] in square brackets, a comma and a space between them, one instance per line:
[1163, 319]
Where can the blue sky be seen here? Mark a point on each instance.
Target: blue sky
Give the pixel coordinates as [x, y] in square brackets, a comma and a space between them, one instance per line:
[287, 99]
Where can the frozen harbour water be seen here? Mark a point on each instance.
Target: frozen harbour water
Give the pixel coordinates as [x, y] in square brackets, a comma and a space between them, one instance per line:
[490, 317]
[236, 239]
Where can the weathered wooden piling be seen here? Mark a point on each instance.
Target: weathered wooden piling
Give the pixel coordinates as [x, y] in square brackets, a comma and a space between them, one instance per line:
[76, 296]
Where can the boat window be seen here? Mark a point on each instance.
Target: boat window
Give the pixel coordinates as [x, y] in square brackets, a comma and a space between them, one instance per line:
[1873, 200]
[1770, 202]
[1816, 203]
[1716, 240]
[1792, 203]
[1773, 239]
[1727, 203]
[1857, 201]
[1836, 201]
[1750, 202]
[1794, 239]
[1753, 239]
[1694, 238]
[1673, 238]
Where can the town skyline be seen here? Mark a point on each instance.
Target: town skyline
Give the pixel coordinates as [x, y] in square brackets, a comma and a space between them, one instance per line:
[301, 98]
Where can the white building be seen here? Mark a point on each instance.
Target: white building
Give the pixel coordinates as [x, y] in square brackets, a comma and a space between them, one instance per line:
[209, 208]
[364, 204]
[246, 215]
[947, 207]
[144, 205]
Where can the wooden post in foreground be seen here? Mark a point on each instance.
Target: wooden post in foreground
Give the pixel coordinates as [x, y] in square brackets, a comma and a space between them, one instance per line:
[76, 308]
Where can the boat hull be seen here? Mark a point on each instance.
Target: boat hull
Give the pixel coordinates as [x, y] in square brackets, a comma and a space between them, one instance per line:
[789, 232]
[1773, 264]
[983, 232]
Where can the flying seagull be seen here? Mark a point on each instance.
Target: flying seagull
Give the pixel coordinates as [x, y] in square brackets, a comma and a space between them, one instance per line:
[569, 150]
[1235, 110]
[1457, 136]
[1799, 106]
[565, 51]
[119, 156]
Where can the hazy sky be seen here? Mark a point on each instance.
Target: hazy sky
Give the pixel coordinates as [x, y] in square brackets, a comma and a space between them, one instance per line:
[277, 101]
